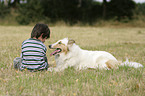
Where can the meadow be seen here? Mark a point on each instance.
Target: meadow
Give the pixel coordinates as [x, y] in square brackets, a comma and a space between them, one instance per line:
[126, 42]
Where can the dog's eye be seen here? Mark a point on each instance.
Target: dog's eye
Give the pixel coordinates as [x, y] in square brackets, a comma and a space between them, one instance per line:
[59, 42]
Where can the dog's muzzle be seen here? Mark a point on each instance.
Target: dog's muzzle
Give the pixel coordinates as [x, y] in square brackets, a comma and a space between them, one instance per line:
[50, 46]
[58, 50]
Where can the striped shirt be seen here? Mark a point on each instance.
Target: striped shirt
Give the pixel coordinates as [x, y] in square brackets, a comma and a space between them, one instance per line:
[33, 55]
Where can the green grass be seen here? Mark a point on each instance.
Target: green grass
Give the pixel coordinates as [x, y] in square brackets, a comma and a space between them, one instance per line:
[121, 42]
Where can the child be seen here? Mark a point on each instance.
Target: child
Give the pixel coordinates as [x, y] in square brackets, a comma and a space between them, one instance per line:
[33, 56]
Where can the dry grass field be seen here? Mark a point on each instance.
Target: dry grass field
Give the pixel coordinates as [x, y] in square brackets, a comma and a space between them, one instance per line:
[121, 42]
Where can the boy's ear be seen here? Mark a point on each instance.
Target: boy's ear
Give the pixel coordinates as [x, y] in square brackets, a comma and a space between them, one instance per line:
[71, 41]
[41, 35]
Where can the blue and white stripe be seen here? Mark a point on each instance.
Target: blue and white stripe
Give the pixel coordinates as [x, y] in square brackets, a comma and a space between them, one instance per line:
[33, 54]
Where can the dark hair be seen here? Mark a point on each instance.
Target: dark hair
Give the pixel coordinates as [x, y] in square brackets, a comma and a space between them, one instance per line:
[40, 29]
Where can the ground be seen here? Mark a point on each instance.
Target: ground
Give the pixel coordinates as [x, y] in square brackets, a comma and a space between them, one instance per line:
[121, 42]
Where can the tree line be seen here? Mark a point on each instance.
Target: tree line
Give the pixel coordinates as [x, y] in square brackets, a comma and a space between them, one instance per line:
[70, 11]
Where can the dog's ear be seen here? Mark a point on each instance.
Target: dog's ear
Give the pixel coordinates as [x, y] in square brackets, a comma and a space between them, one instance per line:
[71, 41]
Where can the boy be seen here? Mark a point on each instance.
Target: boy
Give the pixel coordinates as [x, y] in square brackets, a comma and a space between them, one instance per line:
[33, 56]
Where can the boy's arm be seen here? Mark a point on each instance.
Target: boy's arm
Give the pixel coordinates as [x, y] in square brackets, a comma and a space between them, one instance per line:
[45, 58]
[21, 55]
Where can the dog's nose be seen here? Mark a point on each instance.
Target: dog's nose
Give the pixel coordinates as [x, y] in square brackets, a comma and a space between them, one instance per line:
[49, 46]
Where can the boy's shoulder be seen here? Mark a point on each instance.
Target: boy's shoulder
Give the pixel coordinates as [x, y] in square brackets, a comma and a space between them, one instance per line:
[33, 41]
[27, 40]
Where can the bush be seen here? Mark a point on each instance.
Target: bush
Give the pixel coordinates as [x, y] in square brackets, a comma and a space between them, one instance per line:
[71, 11]
[74, 11]
[30, 12]
[4, 10]
[140, 9]
[121, 9]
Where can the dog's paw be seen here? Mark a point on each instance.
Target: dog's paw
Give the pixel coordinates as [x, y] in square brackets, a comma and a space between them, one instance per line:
[50, 69]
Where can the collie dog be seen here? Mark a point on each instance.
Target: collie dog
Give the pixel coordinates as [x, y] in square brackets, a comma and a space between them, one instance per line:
[68, 54]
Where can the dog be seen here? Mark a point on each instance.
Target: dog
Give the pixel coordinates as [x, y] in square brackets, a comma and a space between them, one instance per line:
[68, 54]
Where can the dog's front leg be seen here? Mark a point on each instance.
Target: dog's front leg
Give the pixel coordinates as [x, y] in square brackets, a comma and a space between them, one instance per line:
[53, 69]
[56, 69]
[50, 69]
[59, 68]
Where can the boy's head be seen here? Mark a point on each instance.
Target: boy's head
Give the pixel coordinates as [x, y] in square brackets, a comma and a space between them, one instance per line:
[40, 31]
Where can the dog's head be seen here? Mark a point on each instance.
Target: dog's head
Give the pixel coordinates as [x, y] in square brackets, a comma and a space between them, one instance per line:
[61, 46]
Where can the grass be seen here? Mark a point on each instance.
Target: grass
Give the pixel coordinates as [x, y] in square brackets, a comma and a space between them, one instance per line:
[121, 42]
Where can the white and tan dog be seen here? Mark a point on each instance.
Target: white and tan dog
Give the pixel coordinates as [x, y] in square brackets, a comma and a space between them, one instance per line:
[68, 54]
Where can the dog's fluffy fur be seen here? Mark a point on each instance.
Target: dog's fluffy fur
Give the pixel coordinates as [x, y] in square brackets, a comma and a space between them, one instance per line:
[71, 55]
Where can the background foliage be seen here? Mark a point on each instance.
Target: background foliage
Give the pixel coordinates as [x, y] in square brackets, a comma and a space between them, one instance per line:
[4, 10]
[71, 11]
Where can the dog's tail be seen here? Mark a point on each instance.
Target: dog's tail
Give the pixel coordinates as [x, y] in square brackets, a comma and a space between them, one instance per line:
[131, 64]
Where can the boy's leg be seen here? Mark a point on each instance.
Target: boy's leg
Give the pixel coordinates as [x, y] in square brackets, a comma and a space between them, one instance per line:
[17, 62]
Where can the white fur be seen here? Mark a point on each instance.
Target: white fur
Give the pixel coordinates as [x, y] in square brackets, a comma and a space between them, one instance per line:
[82, 59]
[131, 64]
